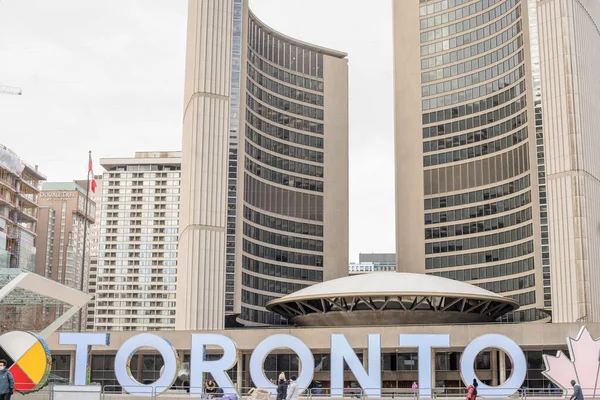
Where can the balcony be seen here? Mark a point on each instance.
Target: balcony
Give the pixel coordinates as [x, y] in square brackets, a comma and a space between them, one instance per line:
[4, 181]
[33, 185]
[5, 200]
[28, 198]
[27, 214]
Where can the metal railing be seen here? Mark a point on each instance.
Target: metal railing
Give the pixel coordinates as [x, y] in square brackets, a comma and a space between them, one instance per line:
[446, 393]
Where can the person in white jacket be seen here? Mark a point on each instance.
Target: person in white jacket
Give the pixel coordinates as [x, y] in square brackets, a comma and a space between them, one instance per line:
[293, 392]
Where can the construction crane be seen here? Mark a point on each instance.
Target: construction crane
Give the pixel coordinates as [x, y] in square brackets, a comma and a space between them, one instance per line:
[10, 90]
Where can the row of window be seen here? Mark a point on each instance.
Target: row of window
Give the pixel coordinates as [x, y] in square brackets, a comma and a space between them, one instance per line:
[285, 256]
[283, 163]
[301, 228]
[479, 226]
[480, 241]
[433, 8]
[473, 50]
[473, 36]
[283, 104]
[255, 299]
[271, 286]
[478, 211]
[473, 274]
[282, 240]
[481, 135]
[279, 51]
[473, 64]
[283, 148]
[283, 133]
[532, 314]
[481, 257]
[476, 151]
[477, 173]
[524, 299]
[476, 92]
[473, 79]
[283, 179]
[280, 271]
[468, 24]
[459, 13]
[261, 317]
[277, 200]
[284, 90]
[283, 119]
[477, 121]
[473, 108]
[137, 271]
[523, 282]
[282, 75]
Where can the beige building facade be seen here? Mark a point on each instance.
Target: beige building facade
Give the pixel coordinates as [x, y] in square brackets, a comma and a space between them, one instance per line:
[201, 297]
[467, 197]
[569, 53]
[275, 220]
[63, 253]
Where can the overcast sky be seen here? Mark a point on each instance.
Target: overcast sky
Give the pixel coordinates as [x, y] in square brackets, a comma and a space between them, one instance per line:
[107, 76]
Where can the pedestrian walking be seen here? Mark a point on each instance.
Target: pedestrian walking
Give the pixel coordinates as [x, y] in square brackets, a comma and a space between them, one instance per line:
[577, 393]
[472, 390]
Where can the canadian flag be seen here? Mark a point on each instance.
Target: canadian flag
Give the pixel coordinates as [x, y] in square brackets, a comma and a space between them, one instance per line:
[91, 176]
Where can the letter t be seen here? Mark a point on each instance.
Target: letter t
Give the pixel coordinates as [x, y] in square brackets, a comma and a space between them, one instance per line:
[83, 343]
[424, 344]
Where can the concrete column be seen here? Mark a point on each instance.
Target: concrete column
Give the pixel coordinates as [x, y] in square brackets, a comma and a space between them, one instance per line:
[432, 371]
[502, 367]
[240, 368]
[365, 356]
[202, 227]
[494, 365]
[72, 367]
[246, 372]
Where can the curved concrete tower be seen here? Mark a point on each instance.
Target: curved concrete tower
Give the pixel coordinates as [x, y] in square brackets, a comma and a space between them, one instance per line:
[201, 275]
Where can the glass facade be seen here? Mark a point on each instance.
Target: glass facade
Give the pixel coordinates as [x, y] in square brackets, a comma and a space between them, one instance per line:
[232, 174]
[282, 228]
[476, 153]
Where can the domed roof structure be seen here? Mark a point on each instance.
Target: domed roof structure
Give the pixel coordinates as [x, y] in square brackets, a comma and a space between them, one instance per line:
[391, 298]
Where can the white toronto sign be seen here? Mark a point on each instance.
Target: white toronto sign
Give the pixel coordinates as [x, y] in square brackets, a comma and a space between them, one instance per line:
[369, 378]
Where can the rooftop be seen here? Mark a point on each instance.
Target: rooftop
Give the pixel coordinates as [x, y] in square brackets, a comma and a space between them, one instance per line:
[391, 298]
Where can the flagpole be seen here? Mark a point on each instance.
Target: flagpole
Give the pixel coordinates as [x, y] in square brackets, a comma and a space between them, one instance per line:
[85, 224]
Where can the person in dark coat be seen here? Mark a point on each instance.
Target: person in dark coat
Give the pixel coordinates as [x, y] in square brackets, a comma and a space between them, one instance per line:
[7, 382]
[282, 387]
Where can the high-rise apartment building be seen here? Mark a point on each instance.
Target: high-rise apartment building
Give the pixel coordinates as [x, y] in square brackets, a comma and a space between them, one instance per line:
[63, 239]
[277, 220]
[569, 43]
[19, 191]
[137, 276]
[467, 188]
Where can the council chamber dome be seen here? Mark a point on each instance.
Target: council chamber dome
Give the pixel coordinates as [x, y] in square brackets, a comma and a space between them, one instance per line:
[391, 298]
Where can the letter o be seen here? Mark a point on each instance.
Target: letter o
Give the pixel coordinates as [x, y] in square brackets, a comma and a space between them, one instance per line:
[514, 352]
[126, 352]
[273, 342]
